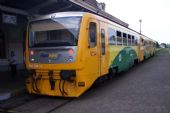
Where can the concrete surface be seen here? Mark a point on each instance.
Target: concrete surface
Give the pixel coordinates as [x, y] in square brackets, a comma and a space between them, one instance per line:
[10, 86]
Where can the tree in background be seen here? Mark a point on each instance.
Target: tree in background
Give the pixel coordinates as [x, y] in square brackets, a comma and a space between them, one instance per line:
[163, 45]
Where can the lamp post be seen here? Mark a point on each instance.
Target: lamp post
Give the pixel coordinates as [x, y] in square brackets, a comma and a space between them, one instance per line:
[140, 25]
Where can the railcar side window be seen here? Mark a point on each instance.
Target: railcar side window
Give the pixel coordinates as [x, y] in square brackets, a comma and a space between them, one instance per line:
[92, 34]
[119, 37]
[129, 40]
[133, 40]
[103, 41]
[124, 39]
[112, 36]
[150, 44]
[142, 42]
[145, 43]
[136, 41]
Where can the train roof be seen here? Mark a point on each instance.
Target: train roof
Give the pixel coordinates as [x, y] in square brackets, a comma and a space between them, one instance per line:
[58, 14]
[77, 13]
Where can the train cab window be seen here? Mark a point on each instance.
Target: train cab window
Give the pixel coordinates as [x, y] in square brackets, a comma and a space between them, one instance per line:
[119, 37]
[103, 41]
[92, 34]
[129, 40]
[133, 40]
[62, 31]
[124, 39]
[112, 36]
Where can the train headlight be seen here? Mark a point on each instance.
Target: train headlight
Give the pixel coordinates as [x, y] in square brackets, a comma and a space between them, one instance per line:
[67, 74]
[70, 59]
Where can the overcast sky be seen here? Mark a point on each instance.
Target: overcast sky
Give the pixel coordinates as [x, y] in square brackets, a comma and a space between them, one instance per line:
[155, 15]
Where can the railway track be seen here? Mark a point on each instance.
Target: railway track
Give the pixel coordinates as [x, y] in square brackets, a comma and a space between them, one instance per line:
[33, 104]
[9, 105]
[60, 106]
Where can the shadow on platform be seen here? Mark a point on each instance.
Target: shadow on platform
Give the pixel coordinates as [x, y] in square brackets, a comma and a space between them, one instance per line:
[11, 86]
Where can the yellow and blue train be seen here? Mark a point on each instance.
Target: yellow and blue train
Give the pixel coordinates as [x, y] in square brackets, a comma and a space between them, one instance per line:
[67, 52]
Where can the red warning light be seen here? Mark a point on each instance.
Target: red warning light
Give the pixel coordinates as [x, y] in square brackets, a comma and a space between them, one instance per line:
[71, 51]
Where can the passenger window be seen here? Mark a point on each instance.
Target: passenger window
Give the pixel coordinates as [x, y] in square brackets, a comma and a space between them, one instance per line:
[111, 35]
[150, 44]
[129, 40]
[133, 40]
[145, 44]
[92, 34]
[136, 41]
[103, 41]
[119, 38]
[124, 39]
[141, 41]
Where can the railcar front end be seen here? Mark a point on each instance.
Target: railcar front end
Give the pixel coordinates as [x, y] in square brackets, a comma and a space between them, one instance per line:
[54, 56]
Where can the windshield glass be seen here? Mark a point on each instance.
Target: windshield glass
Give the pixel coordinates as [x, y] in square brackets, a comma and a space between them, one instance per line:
[61, 31]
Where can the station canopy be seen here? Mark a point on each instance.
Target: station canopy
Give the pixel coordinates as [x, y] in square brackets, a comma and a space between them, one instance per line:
[41, 7]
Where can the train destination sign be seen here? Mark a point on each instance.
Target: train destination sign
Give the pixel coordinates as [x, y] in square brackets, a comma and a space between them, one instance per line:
[9, 19]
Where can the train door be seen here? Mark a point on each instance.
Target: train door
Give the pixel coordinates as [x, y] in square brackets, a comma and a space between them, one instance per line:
[93, 40]
[103, 53]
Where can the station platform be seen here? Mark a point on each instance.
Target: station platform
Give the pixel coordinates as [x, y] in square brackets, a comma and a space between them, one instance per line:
[10, 86]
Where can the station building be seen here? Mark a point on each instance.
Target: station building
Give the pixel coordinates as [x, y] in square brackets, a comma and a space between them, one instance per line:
[15, 14]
